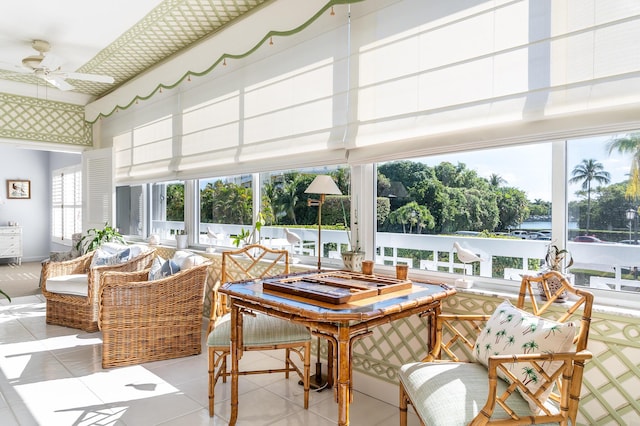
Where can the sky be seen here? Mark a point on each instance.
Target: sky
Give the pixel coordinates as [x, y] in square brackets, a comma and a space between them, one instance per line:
[528, 167]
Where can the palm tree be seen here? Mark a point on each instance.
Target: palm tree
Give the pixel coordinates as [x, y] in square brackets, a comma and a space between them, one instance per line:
[289, 198]
[629, 145]
[586, 172]
[496, 180]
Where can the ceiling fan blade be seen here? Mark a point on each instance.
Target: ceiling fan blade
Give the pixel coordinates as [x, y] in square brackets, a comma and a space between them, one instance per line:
[86, 77]
[14, 68]
[51, 62]
[56, 81]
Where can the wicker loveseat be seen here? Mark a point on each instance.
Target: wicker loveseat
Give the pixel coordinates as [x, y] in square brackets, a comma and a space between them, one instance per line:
[143, 321]
[71, 287]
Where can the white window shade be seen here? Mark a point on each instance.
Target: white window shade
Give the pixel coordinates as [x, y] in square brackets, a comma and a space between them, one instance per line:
[401, 78]
[279, 122]
[144, 151]
[496, 66]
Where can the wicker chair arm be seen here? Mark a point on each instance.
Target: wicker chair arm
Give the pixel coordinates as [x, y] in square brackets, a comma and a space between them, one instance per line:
[564, 377]
[110, 277]
[79, 265]
[142, 261]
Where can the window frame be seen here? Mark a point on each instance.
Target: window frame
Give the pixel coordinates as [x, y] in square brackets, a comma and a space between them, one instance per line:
[72, 175]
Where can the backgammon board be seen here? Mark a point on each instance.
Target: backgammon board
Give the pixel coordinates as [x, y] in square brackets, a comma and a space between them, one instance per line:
[335, 287]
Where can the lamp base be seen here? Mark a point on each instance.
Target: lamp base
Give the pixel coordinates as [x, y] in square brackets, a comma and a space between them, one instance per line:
[318, 382]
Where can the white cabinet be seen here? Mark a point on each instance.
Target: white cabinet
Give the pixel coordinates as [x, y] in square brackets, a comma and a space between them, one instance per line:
[11, 242]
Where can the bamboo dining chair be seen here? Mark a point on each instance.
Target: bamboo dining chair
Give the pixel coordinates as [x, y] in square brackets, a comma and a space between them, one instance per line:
[260, 332]
[527, 362]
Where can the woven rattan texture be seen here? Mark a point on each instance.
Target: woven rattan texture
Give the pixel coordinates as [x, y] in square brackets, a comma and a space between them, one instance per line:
[144, 321]
[80, 311]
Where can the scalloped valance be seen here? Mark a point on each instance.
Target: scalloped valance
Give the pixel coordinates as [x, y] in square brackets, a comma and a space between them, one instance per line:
[236, 41]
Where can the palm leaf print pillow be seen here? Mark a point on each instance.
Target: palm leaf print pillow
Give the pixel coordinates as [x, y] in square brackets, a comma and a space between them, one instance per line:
[513, 331]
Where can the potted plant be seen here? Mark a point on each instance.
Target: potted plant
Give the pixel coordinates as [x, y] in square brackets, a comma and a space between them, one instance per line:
[245, 237]
[352, 258]
[182, 239]
[560, 260]
[96, 237]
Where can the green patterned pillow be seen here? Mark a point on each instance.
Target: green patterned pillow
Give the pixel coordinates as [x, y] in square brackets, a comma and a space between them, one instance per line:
[513, 331]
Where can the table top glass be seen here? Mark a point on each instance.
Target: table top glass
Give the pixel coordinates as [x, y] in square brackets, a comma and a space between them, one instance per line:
[421, 293]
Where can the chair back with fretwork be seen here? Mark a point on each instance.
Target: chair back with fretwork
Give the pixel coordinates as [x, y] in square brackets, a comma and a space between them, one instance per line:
[523, 363]
[260, 332]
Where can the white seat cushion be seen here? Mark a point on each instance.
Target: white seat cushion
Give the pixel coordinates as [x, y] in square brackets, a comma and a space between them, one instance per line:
[75, 284]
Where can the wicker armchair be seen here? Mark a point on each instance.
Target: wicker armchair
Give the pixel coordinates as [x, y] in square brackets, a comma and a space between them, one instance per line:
[528, 362]
[260, 332]
[81, 310]
[143, 321]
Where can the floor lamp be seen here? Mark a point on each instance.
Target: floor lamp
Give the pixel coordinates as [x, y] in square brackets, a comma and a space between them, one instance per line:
[322, 185]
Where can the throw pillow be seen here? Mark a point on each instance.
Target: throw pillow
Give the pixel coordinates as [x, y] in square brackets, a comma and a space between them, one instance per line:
[103, 257]
[155, 272]
[106, 256]
[113, 247]
[123, 256]
[169, 267]
[513, 331]
[191, 261]
[136, 250]
[180, 256]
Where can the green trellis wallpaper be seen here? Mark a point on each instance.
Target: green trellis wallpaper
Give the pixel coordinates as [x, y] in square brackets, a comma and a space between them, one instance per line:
[42, 120]
[611, 385]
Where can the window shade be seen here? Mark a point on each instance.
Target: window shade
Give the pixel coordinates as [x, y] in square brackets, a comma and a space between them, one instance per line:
[397, 79]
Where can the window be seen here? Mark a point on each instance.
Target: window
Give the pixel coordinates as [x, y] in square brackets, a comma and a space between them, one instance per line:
[494, 202]
[226, 209]
[167, 202]
[230, 206]
[66, 194]
[602, 201]
[292, 214]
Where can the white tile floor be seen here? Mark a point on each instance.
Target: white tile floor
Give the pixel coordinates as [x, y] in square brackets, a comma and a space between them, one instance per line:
[52, 375]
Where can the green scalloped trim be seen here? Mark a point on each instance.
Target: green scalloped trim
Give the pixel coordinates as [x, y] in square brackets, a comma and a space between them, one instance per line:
[225, 56]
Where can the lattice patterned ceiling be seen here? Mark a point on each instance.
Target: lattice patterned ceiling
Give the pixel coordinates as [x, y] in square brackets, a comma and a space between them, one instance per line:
[172, 26]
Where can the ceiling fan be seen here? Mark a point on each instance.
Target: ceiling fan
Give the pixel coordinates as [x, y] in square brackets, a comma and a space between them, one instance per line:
[47, 67]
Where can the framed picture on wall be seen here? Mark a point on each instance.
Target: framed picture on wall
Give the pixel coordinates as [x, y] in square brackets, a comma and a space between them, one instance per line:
[18, 189]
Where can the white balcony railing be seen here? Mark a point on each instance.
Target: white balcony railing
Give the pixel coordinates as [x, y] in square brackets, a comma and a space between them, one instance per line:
[606, 259]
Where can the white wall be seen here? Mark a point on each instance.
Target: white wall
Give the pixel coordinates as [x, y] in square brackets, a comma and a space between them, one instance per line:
[31, 214]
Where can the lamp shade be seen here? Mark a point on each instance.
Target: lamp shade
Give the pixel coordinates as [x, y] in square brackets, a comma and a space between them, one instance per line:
[323, 184]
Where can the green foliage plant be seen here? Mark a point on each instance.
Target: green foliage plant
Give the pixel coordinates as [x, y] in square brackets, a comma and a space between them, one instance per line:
[249, 237]
[96, 237]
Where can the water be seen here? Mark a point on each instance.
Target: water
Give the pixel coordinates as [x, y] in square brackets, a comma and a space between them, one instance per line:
[544, 225]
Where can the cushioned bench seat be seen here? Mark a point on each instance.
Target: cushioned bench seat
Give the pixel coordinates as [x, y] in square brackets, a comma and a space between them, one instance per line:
[453, 393]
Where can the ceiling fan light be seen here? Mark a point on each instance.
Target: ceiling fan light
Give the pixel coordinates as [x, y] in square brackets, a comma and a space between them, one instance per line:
[33, 61]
